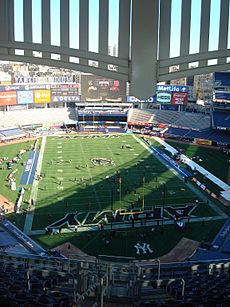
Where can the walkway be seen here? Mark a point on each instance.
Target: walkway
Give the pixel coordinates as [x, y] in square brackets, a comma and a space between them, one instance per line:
[30, 214]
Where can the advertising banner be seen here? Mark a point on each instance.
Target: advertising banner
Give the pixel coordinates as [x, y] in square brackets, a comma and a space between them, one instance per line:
[8, 98]
[25, 87]
[134, 99]
[172, 88]
[42, 96]
[65, 98]
[25, 97]
[29, 87]
[179, 98]
[202, 141]
[164, 97]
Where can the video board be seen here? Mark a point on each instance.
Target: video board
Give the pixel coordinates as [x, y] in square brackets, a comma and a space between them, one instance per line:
[95, 88]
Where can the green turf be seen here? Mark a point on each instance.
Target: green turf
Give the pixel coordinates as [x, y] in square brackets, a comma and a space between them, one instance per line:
[12, 151]
[73, 184]
[213, 160]
[122, 244]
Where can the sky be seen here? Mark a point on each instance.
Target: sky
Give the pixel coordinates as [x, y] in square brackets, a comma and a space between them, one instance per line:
[113, 24]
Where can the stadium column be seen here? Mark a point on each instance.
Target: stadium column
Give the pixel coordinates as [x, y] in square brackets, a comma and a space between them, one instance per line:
[46, 34]
[164, 32]
[223, 30]
[185, 30]
[204, 29]
[27, 24]
[64, 27]
[6, 24]
[84, 29]
[103, 29]
[143, 70]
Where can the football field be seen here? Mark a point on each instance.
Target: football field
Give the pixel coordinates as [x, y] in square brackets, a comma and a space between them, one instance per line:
[102, 172]
[92, 175]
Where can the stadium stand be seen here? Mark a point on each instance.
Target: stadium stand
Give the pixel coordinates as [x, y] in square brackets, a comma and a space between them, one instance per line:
[218, 136]
[221, 137]
[164, 117]
[221, 119]
[192, 121]
[138, 115]
[14, 241]
[9, 134]
[64, 282]
[171, 118]
[36, 116]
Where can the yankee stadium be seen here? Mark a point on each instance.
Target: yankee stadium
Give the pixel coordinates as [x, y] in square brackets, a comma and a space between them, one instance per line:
[114, 153]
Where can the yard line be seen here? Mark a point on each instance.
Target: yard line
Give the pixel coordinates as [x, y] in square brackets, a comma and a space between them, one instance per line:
[30, 214]
[91, 178]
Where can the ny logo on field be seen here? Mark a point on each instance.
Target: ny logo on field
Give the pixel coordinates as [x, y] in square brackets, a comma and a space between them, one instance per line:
[144, 248]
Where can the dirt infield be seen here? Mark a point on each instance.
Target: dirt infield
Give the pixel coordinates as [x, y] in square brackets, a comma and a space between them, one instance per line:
[72, 252]
[6, 205]
[184, 249]
[15, 141]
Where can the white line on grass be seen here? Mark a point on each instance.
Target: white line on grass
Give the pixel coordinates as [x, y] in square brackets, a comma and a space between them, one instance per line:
[30, 214]
[91, 178]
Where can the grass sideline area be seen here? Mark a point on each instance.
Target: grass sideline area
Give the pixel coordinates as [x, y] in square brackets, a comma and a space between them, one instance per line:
[212, 158]
[213, 161]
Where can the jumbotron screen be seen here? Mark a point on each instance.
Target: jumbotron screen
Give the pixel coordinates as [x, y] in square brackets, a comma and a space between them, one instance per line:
[95, 88]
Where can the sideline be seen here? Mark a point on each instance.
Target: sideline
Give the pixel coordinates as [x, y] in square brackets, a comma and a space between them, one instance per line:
[30, 214]
[191, 187]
